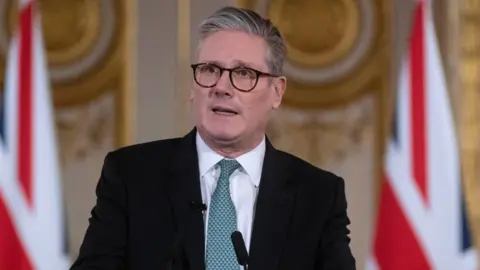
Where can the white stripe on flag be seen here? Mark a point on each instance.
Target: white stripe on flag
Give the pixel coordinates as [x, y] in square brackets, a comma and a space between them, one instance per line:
[40, 227]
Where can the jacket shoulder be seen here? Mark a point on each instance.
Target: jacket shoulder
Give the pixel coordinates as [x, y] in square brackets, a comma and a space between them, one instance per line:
[158, 150]
[306, 170]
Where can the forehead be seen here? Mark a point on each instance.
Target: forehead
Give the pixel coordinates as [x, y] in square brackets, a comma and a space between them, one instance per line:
[230, 47]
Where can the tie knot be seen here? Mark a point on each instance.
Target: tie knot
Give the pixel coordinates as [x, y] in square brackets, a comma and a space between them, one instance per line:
[228, 166]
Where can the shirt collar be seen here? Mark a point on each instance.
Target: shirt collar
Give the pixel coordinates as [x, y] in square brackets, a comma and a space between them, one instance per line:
[252, 161]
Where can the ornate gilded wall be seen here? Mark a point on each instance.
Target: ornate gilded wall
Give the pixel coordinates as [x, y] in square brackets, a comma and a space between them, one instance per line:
[339, 95]
[88, 50]
[335, 108]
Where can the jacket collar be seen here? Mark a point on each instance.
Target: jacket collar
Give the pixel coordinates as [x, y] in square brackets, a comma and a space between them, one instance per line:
[273, 208]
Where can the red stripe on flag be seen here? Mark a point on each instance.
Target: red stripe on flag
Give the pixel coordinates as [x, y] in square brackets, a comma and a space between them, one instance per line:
[418, 99]
[12, 253]
[396, 246]
[25, 103]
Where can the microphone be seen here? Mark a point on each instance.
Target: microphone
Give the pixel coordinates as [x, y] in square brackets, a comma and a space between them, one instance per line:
[198, 206]
[240, 249]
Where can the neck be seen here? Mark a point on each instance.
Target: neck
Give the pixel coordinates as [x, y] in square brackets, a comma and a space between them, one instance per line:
[231, 149]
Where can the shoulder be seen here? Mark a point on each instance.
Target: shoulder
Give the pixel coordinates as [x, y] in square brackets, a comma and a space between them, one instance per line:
[317, 186]
[143, 153]
[309, 174]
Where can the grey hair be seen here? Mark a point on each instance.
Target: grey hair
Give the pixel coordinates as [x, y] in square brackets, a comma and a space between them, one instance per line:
[248, 21]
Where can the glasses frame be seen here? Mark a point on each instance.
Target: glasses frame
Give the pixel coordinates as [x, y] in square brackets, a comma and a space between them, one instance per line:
[222, 70]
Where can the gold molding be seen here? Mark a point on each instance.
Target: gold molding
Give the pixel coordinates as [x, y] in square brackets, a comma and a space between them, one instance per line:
[469, 70]
[384, 105]
[182, 86]
[380, 80]
[125, 118]
[352, 84]
[99, 78]
[325, 47]
[115, 71]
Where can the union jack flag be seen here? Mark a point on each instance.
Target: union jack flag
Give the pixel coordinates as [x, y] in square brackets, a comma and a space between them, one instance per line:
[32, 231]
[422, 222]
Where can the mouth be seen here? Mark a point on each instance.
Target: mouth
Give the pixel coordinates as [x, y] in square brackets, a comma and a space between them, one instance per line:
[219, 110]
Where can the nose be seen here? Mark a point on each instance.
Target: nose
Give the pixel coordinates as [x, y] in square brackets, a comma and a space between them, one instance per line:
[224, 85]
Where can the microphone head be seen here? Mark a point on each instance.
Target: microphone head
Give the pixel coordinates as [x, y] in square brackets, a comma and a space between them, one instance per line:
[240, 248]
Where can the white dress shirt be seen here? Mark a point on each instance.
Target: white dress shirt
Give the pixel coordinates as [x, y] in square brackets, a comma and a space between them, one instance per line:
[244, 183]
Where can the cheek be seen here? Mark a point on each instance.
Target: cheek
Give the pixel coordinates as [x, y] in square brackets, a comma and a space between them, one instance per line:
[257, 109]
[198, 99]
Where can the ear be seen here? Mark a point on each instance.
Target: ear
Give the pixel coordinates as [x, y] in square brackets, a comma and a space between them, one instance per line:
[191, 95]
[279, 85]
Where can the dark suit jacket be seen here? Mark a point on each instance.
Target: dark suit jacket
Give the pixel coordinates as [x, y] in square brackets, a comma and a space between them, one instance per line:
[144, 207]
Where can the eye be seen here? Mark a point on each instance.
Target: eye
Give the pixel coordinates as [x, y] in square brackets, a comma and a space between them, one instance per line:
[208, 69]
[245, 73]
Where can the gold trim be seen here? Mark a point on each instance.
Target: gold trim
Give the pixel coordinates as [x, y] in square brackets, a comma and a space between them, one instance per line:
[92, 84]
[100, 78]
[248, 4]
[183, 69]
[469, 67]
[58, 56]
[384, 104]
[340, 91]
[326, 57]
[126, 116]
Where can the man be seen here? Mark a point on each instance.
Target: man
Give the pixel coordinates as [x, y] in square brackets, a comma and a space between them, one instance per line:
[175, 203]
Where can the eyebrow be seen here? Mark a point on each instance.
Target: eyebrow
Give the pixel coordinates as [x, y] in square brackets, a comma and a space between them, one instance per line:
[237, 63]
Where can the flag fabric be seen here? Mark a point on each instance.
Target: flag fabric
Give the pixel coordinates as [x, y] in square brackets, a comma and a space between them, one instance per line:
[32, 231]
[421, 221]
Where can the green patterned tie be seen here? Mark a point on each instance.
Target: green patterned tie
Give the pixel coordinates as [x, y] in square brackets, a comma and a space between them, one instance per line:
[222, 221]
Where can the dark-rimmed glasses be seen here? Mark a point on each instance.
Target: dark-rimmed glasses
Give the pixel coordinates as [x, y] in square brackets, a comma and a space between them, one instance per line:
[242, 78]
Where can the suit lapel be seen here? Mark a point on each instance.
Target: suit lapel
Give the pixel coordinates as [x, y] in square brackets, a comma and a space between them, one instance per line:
[272, 213]
[184, 188]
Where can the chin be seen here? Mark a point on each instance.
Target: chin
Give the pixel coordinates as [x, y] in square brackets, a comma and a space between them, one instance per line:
[223, 134]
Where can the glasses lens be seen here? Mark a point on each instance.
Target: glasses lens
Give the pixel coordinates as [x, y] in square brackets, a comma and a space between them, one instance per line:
[244, 78]
[207, 75]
